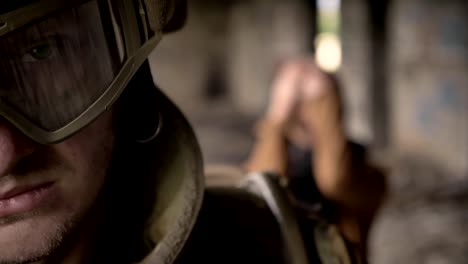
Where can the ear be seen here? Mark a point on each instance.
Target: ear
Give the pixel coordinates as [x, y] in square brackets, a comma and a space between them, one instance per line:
[176, 17]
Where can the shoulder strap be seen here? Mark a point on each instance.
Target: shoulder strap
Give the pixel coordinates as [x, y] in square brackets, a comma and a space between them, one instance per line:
[330, 246]
[263, 185]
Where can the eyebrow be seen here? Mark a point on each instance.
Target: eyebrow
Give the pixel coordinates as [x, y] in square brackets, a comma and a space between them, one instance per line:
[10, 5]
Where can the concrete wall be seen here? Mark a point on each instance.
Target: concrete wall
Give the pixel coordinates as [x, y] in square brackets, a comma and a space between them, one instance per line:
[429, 82]
[424, 220]
[219, 67]
[263, 34]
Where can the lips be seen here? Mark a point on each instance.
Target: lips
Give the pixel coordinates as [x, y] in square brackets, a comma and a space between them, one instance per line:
[21, 190]
[22, 199]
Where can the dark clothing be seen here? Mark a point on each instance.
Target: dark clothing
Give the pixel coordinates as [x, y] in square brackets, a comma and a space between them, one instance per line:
[234, 227]
[160, 211]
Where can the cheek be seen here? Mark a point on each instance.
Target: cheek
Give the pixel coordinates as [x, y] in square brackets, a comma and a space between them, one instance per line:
[88, 154]
[91, 146]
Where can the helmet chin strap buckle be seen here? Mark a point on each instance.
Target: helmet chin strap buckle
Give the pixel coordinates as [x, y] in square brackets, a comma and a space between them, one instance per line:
[3, 25]
[155, 131]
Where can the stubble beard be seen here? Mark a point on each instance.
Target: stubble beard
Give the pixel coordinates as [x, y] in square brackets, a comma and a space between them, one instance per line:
[37, 234]
[50, 243]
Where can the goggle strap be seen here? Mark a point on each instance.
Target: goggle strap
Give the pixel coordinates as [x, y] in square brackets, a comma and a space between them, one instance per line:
[129, 23]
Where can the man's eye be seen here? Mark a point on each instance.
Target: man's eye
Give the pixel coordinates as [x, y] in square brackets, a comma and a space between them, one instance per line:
[39, 52]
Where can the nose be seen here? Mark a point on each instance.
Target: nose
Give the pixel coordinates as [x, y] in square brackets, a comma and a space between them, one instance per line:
[14, 146]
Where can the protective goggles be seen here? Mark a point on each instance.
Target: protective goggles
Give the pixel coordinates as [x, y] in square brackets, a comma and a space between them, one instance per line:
[63, 63]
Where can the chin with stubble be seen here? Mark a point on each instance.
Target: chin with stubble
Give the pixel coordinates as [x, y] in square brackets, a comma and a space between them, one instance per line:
[47, 197]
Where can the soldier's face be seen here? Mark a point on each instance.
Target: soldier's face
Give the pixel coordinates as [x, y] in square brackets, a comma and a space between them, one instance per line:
[50, 72]
[47, 191]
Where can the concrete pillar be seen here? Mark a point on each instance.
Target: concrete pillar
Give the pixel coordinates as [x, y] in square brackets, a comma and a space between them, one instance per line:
[356, 72]
[263, 34]
[363, 73]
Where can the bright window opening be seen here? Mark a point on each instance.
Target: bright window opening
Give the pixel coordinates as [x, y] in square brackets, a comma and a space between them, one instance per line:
[328, 43]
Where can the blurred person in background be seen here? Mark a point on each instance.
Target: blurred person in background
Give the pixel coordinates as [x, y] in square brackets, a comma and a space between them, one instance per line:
[301, 137]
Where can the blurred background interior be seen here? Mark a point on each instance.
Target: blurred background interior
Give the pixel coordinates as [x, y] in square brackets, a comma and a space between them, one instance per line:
[402, 65]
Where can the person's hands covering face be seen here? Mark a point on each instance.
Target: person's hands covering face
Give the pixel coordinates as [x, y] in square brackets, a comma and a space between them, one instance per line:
[304, 103]
[284, 94]
[319, 106]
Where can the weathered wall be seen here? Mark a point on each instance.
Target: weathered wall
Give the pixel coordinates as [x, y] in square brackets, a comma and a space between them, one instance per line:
[425, 219]
[263, 34]
[429, 81]
[219, 67]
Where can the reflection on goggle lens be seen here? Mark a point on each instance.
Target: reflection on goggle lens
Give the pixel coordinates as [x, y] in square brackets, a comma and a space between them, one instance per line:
[54, 70]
